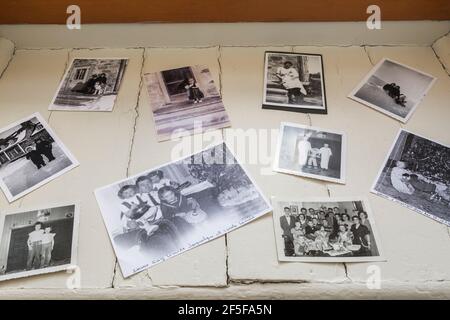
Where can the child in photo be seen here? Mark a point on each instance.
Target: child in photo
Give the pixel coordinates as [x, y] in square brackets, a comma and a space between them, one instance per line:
[344, 236]
[35, 157]
[175, 207]
[322, 238]
[34, 243]
[98, 88]
[299, 239]
[158, 180]
[48, 242]
[136, 213]
[313, 155]
[194, 92]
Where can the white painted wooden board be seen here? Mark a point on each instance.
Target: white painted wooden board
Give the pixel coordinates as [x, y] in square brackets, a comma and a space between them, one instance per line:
[111, 145]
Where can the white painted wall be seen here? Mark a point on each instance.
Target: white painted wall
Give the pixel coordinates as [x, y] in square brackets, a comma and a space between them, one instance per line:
[243, 264]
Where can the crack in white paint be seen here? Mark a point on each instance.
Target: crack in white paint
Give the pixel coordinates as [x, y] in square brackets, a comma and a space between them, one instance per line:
[368, 55]
[439, 59]
[133, 134]
[10, 59]
[136, 111]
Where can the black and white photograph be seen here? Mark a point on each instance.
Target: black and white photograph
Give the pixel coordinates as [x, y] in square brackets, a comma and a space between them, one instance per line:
[416, 174]
[393, 89]
[294, 82]
[325, 230]
[311, 152]
[185, 101]
[30, 156]
[167, 210]
[90, 85]
[38, 241]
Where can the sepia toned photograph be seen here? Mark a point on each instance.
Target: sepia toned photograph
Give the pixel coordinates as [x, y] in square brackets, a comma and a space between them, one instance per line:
[30, 156]
[90, 85]
[311, 152]
[294, 82]
[416, 174]
[167, 210]
[38, 241]
[185, 100]
[325, 230]
[393, 89]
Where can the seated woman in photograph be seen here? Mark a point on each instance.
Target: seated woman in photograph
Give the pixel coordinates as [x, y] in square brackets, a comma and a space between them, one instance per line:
[158, 180]
[194, 92]
[290, 80]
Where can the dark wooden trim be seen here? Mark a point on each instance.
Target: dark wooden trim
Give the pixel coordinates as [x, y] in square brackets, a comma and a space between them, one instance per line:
[131, 11]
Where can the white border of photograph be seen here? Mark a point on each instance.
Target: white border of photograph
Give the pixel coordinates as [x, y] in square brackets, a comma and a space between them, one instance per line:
[66, 151]
[309, 175]
[377, 178]
[74, 250]
[54, 107]
[280, 244]
[215, 236]
[372, 71]
[284, 106]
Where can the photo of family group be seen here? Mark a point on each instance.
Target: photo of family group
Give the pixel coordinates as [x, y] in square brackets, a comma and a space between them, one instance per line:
[311, 152]
[165, 211]
[30, 156]
[294, 82]
[185, 100]
[90, 85]
[325, 230]
[416, 173]
[393, 89]
[38, 241]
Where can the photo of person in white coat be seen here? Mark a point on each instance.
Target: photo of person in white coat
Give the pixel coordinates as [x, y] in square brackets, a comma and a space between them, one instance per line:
[303, 149]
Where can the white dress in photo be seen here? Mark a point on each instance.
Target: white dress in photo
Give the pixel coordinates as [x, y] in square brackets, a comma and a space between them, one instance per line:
[325, 154]
[304, 146]
[398, 183]
[290, 78]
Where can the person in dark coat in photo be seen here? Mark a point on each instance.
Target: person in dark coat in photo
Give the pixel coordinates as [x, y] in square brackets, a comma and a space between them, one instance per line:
[287, 222]
[35, 157]
[45, 148]
[88, 87]
[361, 236]
[102, 79]
[175, 206]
